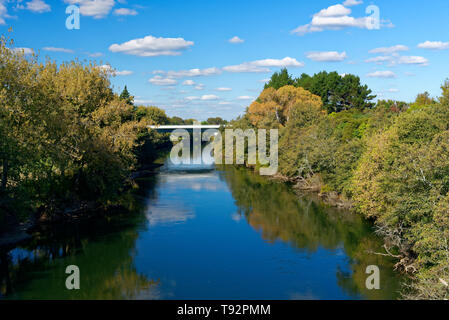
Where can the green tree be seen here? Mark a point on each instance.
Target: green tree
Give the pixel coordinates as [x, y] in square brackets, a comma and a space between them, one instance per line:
[337, 92]
[126, 96]
[280, 79]
[154, 114]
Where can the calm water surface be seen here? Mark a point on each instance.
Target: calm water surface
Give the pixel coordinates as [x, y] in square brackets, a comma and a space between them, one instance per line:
[205, 233]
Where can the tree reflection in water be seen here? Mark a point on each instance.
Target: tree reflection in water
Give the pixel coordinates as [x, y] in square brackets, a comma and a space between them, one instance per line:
[308, 225]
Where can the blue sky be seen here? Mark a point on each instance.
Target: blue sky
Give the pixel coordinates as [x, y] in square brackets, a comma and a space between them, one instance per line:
[178, 55]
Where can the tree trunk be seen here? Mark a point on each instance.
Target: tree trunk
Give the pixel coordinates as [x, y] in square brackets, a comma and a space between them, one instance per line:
[4, 175]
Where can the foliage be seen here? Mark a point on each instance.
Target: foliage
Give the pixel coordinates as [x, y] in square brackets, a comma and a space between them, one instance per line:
[66, 137]
[338, 92]
[280, 79]
[126, 96]
[390, 160]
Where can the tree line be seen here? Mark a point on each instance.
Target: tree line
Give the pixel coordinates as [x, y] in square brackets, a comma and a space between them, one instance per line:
[67, 139]
[387, 160]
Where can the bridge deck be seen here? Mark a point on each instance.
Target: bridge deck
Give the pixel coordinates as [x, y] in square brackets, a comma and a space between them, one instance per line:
[185, 127]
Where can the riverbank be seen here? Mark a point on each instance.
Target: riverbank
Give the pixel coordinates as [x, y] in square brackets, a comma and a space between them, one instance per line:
[16, 232]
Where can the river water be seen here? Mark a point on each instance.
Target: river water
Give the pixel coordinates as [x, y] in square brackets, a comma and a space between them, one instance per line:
[205, 233]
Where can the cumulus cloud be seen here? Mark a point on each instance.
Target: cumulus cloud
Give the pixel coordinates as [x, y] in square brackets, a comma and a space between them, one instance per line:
[108, 68]
[350, 3]
[189, 83]
[125, 12]
[236, 40]
[161, 81]
[378, 59]
[327, 56]
[390, 50]
[93, 8]
[396, 59]
[25, 51]
[245, 98]
[335, 17]
[224, 89]
[209, 97]
[391, 56]
[434, 45]
[3, 12]
[381, 74]
[151, 46]
[190, 73]
[38, 6]
[263, 65]
[53, 49]
[413, 60]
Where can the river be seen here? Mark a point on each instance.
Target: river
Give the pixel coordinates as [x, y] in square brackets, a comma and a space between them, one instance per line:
[205, 233]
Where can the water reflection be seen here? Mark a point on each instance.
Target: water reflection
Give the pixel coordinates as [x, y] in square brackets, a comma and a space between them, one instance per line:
[309, 226]
[202, 233]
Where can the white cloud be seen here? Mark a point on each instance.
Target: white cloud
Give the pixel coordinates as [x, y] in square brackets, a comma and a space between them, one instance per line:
[3, 12]
[199, 87]
[38, 6]
[393, 90]
[382, 74]
[350, 3]
[151, 46]
[236, 40]
[116, 72]
[390, 50]
[125, 12]
[245, 98]
[143, 101]
[161, 81]
[190, 73]
[209, 97]
[53, 49]
[327, 56]
[224, 89]
[337, 10]
[379, 59]
[413, 60]
[192, 98]
[93, 8]
[434, 45]
[264, 80]
[263, 65]
[25, 51]
[124, 73]
[391, 55]
[189, 83]
[335, 17]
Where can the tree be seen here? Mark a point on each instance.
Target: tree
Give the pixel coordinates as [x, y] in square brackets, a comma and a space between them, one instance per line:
[444, 99]
[280, 79]
[126, 96]
[337, 92]
[153, 114]
[274, 107]
[216, 120]
[424, 99]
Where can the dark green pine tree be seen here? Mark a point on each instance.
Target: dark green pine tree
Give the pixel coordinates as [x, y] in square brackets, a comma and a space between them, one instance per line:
[280, 79]
[125, 95]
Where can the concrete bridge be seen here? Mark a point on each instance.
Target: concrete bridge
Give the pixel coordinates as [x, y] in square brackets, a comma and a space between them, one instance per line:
[171, 128]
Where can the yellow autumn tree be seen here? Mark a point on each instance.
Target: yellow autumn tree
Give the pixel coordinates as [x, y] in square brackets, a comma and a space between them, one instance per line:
[277, 106]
